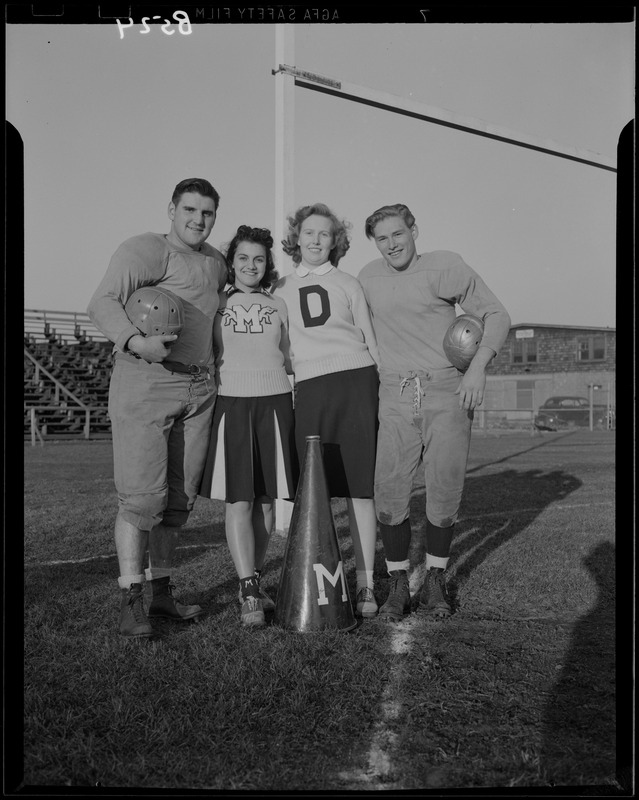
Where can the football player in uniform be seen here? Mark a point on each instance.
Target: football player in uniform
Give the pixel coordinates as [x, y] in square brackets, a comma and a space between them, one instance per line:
[425, 404]
[161, 398]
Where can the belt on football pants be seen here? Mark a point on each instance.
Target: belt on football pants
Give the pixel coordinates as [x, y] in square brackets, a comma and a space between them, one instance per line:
[197, 372]
[434, 375]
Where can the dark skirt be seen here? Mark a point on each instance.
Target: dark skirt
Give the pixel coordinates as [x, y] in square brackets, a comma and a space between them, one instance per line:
[252, 449]
[341, 408]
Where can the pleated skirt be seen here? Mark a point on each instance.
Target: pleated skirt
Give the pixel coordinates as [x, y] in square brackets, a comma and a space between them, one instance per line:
[251, 450]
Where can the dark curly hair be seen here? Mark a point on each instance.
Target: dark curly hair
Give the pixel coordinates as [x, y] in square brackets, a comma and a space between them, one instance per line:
[257, 236]
[340, 232]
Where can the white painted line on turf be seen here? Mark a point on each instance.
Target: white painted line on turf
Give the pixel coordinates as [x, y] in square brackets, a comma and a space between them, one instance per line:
[476, 529]
[70, 561]
[401, 642]
[510, 512]
[518, 511]
[380, 758]
[109, 556]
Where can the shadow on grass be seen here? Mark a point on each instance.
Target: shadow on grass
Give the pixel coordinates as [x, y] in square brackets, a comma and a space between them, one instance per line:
[496, 508]
[535, 446]
[579, 723]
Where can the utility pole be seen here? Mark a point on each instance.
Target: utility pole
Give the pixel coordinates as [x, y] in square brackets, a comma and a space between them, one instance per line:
[591, 388]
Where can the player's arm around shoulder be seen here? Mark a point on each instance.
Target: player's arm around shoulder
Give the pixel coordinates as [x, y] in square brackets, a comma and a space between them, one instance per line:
[278, 302]
[362, 317]
[220, 261]
[282, 310]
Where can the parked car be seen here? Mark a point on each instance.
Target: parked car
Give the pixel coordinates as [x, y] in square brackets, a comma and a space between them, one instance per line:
[567, 411]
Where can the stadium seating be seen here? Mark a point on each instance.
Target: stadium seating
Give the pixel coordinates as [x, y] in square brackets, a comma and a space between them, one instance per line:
[67, 367]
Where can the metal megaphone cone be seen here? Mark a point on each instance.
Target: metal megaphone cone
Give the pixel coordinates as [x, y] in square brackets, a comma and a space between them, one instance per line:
[312, 594]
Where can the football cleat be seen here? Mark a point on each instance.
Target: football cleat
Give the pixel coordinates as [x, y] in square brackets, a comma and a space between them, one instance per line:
[163, 604]
[434, 597]
[398, 602]
[133, 620]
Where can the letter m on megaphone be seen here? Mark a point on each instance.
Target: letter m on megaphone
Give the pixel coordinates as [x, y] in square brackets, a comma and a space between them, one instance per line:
[322, 573]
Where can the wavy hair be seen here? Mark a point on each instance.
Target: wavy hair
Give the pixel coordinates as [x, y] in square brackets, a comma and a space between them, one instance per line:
[340, 232]
[397, 210]
[257, 236]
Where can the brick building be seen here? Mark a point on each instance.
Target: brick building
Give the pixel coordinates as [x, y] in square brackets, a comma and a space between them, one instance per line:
[540, 361]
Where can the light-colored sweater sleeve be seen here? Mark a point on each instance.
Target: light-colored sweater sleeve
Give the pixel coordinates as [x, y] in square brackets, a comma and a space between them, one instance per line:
[139, 261]
[362, 319]
[469, 290]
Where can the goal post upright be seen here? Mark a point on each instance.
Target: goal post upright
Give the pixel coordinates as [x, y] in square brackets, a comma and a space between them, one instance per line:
[284, 129]
[284, 181]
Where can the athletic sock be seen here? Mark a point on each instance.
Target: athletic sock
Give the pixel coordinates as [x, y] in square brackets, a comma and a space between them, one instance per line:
[438, 540]
[364, 579]
[152, 573]
[435, 562]
[396, 540]
[125, 581]
[393, 566]
[248, 587]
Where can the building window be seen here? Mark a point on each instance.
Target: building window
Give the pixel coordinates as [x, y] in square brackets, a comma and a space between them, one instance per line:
[525, 394]
[591, 348]
[525, 351]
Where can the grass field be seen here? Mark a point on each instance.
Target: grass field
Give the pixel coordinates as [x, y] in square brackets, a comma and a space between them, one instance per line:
[518, 689]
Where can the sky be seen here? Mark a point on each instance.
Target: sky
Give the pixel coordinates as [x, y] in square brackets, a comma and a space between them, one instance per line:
[112, 120]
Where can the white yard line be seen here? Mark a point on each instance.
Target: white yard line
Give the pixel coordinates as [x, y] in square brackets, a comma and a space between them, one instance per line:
[509, 513]
[380, 759]
[111, 555]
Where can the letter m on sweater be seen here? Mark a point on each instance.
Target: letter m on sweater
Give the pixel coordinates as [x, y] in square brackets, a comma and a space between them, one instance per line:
[248, 320]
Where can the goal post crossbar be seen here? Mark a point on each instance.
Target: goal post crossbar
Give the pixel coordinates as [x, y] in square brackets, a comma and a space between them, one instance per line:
[438, 116]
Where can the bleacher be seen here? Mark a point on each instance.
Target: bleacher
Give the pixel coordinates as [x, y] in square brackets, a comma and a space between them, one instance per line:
[67, 367]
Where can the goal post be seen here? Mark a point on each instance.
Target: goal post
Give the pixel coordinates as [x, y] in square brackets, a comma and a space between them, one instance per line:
[289, 78]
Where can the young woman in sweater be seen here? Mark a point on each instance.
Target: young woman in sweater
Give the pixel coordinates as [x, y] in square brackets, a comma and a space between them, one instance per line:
[251, 458]
[334, 359]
